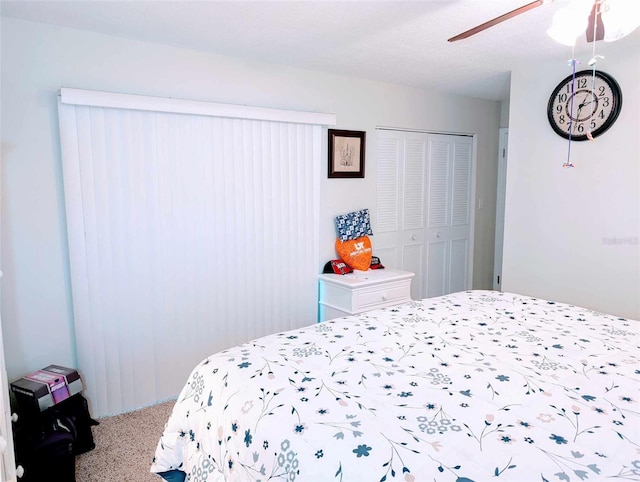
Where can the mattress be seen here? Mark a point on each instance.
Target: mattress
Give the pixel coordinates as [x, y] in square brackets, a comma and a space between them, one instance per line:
[470, 386]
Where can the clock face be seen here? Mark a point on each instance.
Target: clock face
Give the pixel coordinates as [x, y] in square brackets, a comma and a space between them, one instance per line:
[585, 106]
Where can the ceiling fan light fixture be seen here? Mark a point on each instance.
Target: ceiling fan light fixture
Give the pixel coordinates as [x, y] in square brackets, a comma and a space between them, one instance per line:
[570, 22]
[620, 18]
[607, 20]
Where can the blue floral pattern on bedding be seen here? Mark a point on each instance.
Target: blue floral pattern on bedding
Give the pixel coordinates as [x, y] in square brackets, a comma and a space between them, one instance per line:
[472, 386]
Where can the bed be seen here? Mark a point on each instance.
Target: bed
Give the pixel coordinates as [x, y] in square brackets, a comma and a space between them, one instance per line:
[471, 386]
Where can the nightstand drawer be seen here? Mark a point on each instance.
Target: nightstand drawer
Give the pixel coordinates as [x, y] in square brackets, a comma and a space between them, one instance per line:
[382, 296]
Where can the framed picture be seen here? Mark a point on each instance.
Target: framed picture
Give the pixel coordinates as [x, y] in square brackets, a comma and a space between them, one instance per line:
[346, 153]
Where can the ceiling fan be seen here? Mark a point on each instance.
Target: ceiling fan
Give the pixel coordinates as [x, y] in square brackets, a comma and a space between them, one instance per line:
[606, 20]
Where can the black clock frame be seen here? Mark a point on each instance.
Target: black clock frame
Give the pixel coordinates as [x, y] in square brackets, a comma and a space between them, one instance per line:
[615, 110]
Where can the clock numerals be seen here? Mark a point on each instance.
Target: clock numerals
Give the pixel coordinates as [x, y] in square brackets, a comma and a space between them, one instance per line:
[580, 128]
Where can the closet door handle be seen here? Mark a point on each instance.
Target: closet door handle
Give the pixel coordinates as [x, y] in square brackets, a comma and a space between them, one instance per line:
[413, 237]
[438, 234]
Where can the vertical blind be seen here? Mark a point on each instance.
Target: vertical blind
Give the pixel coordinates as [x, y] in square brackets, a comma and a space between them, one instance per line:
[190, 231]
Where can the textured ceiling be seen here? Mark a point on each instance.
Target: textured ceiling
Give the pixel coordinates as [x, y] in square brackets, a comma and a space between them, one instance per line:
[402, 42]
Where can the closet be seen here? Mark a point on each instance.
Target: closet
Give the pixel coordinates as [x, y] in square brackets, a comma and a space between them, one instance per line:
[424, 221]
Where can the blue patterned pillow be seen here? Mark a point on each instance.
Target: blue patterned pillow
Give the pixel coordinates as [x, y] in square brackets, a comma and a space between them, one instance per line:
[353, 225]
[173, 475]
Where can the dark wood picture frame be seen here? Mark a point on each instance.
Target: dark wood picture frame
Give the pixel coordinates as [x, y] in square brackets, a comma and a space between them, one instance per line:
[346, 153]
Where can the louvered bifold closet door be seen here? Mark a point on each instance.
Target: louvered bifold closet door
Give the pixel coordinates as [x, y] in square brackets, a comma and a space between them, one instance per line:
[413, 212]
[399, 235]
[459, 231]
[188, 234]
[388, 177]
[385, 241]
[449, 226]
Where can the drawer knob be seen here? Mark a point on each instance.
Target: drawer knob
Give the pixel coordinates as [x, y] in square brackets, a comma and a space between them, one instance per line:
[384, 297]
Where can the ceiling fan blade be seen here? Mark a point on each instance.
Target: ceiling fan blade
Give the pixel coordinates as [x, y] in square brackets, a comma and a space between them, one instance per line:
[595, 29]
[497, 20]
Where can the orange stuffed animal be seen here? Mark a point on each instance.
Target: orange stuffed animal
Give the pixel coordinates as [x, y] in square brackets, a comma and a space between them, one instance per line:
[355, 252]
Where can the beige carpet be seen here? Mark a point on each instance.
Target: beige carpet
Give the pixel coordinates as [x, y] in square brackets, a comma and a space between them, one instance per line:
[125, 445]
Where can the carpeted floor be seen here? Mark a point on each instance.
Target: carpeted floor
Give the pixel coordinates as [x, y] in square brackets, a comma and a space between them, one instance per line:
[125, 445]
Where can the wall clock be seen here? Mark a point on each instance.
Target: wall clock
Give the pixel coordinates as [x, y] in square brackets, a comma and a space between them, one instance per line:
[586, 110]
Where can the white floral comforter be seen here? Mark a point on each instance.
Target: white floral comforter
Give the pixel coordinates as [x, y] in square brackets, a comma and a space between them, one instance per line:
[473, 386]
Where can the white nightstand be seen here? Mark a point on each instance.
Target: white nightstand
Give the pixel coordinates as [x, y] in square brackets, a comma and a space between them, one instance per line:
[360, 291]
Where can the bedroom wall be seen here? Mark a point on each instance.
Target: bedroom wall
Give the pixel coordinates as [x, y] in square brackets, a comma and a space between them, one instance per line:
[38, 59]
[572, 233]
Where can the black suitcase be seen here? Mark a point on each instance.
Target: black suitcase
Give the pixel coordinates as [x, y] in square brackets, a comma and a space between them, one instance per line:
[47, 454]
[46, 443]
[76, 410]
